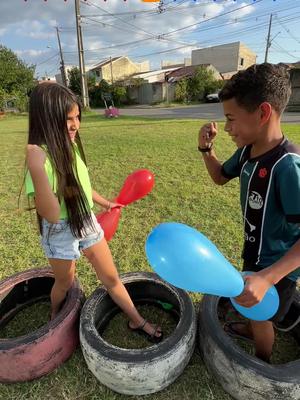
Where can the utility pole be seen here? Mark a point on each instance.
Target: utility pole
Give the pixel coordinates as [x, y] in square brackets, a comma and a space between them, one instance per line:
[84, 89]
[62, 63]
[268, 39]
[111, 71]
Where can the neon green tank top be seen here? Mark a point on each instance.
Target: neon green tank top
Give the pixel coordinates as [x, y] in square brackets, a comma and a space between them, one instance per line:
[83, 176]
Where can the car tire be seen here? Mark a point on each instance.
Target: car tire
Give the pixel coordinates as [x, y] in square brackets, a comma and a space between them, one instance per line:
[138, 371]
[241, 375]
[31, 356]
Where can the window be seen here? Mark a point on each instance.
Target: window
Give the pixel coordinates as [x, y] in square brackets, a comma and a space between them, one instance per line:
[242, 61]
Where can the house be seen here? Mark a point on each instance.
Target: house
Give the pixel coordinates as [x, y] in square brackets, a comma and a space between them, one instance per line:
[116, 69]
[186, 72]
[159, 85]
[294, 102]
[58, 76]
[226, 58]
[189, 71]
[169, 64]
[153, 87]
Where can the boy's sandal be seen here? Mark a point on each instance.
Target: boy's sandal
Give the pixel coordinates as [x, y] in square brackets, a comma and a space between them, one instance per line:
[153, 338]
[233, 332]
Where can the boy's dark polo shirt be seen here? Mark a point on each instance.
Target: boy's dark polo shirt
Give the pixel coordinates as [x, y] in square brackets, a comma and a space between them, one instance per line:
[270, 201]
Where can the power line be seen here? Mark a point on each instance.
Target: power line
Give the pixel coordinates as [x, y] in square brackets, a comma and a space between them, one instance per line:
[288, 31]
[210, 19]
[48, 59]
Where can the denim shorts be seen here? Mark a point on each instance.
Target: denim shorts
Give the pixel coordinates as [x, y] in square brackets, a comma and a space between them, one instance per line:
[58, 241]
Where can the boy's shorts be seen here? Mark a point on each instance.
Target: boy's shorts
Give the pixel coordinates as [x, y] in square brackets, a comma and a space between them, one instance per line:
[286, 289]
[58, 241]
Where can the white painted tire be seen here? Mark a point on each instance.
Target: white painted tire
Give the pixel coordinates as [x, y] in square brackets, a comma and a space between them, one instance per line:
[138, 371]
[241, 375]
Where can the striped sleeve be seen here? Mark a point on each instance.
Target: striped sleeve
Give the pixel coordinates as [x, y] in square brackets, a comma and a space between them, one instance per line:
[288, 184]
[232, 167]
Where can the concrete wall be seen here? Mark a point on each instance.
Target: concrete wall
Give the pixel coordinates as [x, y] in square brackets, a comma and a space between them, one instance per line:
[148, 93]
[225, 58]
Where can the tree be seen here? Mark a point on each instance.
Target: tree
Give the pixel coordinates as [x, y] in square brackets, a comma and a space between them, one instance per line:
[197, 86]
[15, 75]
[74, 80]
[118, 92]
[16, 78]
[181, 90]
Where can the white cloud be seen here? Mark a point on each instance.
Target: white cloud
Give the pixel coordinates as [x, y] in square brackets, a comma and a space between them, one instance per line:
[31, 52]
[32, 26]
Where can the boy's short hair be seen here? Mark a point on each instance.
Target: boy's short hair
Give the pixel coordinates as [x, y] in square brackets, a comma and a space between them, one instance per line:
[257, 84]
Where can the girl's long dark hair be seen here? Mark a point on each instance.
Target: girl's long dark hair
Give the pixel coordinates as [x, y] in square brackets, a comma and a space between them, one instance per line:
[49, 106]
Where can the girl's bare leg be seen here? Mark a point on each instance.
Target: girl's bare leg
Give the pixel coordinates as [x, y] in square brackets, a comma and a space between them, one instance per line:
[64, 271]
[100, 257]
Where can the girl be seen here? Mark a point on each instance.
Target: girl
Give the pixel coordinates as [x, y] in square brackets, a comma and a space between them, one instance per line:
[58, 180]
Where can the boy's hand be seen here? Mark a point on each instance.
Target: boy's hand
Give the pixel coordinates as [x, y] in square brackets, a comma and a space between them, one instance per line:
[206, 134]
[256, 286]
[35, 157]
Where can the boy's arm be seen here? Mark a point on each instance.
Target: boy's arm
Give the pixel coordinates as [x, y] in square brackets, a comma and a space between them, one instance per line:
[46, 202]
[205, 142]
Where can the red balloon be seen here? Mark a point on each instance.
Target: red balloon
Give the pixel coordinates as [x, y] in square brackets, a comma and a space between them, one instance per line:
[137, 185]
[109, 221]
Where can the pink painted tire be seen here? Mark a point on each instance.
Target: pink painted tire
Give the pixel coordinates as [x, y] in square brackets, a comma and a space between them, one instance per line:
[31, 356]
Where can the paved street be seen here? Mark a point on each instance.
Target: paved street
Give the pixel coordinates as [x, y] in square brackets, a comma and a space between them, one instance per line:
[211, 111]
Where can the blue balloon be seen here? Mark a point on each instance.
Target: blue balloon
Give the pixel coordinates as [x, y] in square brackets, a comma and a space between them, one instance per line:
[262, 311]
[187, 259]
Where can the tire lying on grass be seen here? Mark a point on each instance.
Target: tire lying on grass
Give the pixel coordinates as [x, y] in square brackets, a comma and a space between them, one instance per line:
[138, 371]
[30, 356]
[243, 376]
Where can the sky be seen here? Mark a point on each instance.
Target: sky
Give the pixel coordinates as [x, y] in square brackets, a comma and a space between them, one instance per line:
[167, 31]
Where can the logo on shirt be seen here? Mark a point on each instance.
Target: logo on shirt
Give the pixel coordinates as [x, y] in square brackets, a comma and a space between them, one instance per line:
[255, 200]
[262, 173]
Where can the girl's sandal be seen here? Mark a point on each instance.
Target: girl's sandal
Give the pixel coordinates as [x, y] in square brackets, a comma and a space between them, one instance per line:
[153, 338]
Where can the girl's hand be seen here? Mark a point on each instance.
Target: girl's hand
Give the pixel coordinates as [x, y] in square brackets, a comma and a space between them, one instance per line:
[206, 134]
[114, 205]
[35, 157]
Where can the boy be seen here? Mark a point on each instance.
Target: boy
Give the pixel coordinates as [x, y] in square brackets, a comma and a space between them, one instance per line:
[268, 166]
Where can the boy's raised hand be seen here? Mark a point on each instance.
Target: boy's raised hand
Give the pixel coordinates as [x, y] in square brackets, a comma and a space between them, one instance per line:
[206, 134]
[35, 157]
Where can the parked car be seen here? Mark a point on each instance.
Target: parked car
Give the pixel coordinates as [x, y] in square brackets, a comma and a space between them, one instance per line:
[212, 97]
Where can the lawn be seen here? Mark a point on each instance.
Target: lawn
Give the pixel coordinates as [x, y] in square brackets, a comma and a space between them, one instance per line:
[183, 192]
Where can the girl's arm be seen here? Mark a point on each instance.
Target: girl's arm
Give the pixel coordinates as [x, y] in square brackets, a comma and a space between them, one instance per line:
[46, 202]
[103, 202]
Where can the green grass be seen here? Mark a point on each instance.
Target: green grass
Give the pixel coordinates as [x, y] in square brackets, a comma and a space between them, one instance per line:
[183, 192]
